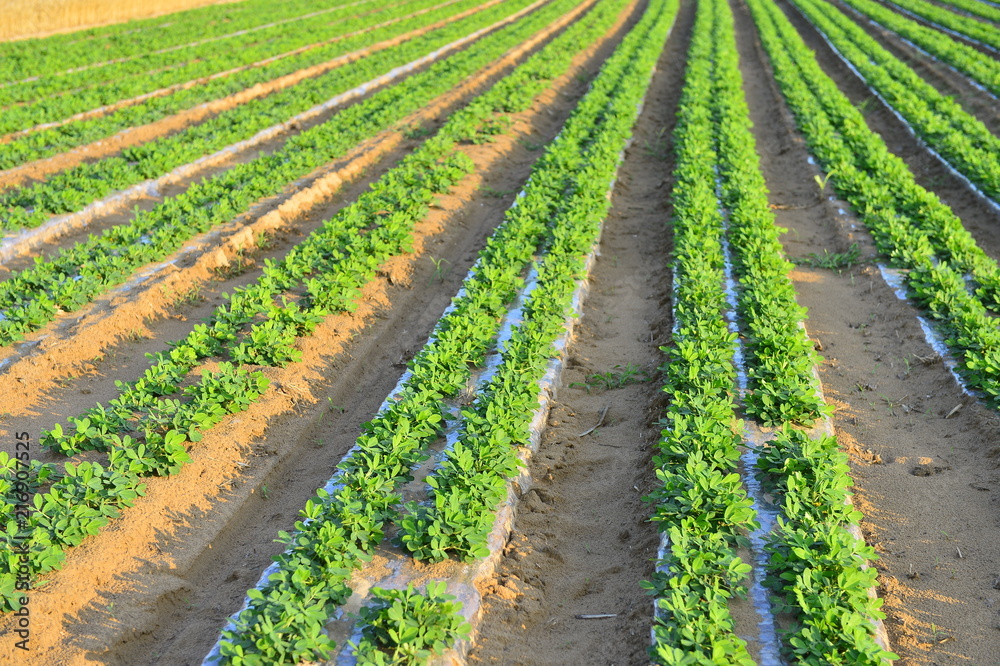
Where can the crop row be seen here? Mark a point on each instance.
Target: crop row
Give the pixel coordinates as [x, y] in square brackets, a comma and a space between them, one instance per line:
[57, 96]
[77, 275]
[68, 122]
[173, 88]
[285, 615]
[74, 188]
[258, 325]
[702, 503]
[912, 227]
[38, 57]
[986, 10]
[961, 139]
[167, 418]
[817, 566]
[969, 28]
[471, 481]
[872, 178]
[964, 58]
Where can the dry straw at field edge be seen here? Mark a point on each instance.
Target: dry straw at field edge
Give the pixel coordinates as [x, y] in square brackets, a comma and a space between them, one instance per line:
[36, 18]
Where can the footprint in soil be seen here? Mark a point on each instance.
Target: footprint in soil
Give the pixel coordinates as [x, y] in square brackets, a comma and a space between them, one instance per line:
[928, 470]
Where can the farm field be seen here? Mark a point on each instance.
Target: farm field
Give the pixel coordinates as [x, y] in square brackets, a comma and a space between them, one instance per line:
[580, 331]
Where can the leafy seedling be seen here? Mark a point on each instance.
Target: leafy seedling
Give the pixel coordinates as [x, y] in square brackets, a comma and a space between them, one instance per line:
[407, 627]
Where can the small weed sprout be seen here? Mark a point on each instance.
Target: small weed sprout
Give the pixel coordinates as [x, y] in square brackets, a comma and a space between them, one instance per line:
[837, 261]
[617, 377]
[417, 131]
[530, 145]
[821, 181]
[179, 299]
[439, 268]
[491, 192]
[657, 147]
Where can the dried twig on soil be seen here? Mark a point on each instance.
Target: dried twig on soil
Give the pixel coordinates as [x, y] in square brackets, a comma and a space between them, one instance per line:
[600, 421]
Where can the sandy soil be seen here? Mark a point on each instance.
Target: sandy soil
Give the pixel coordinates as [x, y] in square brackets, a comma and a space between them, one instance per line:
[37, 170]
[582, 542]
[35, 19]
[927, 483]
[891, 393]
[156, 586]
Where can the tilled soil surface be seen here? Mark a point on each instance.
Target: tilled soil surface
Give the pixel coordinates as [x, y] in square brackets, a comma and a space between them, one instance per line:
[925, 472]
[112, 145]
[158, 583]
[582, 542]
[928, 485]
